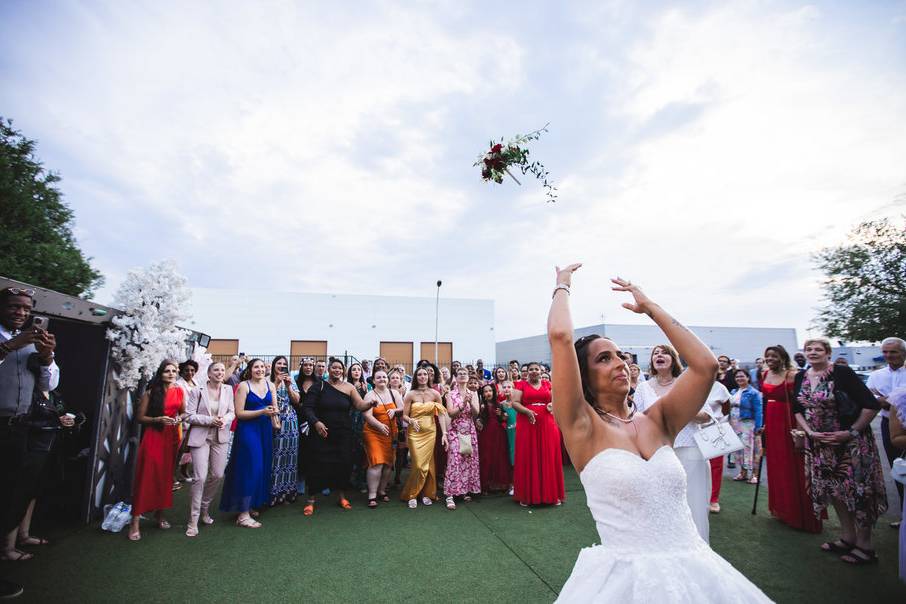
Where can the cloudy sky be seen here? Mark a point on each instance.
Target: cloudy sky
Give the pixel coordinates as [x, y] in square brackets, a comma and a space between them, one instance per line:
[702, 149]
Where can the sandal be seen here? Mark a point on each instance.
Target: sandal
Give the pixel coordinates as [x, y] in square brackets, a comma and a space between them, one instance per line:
[740, 477]
[30, 540]
[135, 536]
[467, 498]
[163, 524]
[833, 547]
[859, 556]
[372, 503]
[248, 522]
[309, 509]
[344, 503]
[16, 555]
[192, 530]
[413, 503]
[450, 504]
[206, 518]
[753, 480]
[384, 497]
[426, 501]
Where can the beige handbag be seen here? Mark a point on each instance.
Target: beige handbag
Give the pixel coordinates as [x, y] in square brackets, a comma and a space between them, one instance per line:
[465, 444]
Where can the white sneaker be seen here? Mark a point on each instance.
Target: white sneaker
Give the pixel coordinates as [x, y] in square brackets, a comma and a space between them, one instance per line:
[426, 501]
[413, 503]
[451, 505]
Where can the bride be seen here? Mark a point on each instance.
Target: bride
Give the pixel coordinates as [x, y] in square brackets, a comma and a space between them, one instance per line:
[634, 483]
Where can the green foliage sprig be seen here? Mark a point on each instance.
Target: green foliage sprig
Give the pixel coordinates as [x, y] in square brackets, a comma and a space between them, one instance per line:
[495, 163]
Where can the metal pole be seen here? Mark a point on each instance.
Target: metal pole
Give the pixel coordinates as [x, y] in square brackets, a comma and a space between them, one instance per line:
[436, 315]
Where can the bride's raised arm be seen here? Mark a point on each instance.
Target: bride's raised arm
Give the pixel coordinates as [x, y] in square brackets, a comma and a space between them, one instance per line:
[573, 414]
[682, 403]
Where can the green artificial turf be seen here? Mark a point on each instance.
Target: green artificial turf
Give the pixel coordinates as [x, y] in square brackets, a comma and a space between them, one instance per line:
[486, 551]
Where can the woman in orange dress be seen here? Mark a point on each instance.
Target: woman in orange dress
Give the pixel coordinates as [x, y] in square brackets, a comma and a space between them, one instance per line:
[158, 411]
[379, 434]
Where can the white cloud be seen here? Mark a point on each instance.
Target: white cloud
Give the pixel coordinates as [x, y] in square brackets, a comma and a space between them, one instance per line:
[702, 152]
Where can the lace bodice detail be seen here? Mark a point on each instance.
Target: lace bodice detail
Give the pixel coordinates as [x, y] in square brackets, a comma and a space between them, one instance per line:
[640, 506]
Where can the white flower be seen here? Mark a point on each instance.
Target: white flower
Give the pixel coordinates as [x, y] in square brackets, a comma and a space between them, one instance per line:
[154, 302]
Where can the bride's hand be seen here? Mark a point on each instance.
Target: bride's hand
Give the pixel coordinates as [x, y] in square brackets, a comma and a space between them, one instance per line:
[642, 302]
[565, 275]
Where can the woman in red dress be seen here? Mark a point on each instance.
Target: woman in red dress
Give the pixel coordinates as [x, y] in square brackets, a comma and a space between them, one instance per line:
[152, 489]
[538, 472]
[494, 462]
[788, 498]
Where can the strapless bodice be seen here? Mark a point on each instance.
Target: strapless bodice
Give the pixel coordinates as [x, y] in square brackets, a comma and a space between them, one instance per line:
[639, 505]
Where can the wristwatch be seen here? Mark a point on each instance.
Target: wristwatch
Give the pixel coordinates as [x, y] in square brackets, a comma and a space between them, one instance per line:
[853, 433]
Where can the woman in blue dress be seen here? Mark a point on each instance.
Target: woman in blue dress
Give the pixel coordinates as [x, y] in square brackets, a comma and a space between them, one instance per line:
[247, 484]
[286, 439]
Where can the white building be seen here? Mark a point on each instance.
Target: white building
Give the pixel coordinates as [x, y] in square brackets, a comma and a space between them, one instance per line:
[743, 343]
[400, 329]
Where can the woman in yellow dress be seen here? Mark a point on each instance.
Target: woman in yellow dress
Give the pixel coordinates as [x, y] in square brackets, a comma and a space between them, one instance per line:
[420, 406]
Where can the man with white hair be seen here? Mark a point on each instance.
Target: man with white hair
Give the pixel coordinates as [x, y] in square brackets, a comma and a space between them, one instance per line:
[884, 381]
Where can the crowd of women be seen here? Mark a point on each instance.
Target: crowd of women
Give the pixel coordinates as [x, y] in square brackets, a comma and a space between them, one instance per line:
[463, 433]
[330, 429]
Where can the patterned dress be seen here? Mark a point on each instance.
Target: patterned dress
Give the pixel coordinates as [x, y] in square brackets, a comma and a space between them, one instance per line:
[286, 448]
[850, 472]
[463, 474]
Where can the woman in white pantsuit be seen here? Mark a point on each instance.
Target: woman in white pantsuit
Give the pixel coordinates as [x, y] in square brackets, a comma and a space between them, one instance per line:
[210, 413]
[664, 368]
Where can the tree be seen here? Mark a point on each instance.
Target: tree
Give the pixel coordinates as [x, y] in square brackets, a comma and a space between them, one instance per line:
[37, 245]
[153, 301]
[865, 283]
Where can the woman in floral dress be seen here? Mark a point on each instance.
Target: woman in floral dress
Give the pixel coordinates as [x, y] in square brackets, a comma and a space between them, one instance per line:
[286, 439]
[842, 464]
[463, 474]
[355, 375]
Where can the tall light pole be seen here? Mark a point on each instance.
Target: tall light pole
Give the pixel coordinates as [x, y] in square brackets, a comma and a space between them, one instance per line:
[436, 315]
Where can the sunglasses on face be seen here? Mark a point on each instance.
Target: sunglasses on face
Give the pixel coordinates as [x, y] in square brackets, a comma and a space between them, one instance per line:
[18, 291]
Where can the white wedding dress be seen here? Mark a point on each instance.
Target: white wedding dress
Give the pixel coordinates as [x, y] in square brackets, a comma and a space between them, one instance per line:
[651, 550]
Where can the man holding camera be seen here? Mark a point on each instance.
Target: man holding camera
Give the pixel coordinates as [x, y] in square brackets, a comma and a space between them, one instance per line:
[27, 367]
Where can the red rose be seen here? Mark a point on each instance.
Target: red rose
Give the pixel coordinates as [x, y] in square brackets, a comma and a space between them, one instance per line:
[496, 148]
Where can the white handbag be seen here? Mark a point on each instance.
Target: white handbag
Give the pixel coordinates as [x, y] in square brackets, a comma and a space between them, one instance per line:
[717, 438]
[898, 470]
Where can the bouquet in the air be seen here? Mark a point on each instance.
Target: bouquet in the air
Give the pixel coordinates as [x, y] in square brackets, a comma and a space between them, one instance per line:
[496, 162]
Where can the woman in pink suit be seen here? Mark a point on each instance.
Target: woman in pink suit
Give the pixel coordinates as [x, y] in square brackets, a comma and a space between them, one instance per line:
[210, 413]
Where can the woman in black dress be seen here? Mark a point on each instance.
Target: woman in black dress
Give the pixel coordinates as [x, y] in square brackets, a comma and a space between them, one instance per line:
[329, 449]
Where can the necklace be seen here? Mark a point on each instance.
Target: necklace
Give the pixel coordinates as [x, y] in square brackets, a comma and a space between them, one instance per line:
[628, 420]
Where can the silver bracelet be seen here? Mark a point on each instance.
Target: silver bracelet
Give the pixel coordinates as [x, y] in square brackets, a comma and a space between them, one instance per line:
[560, 286]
